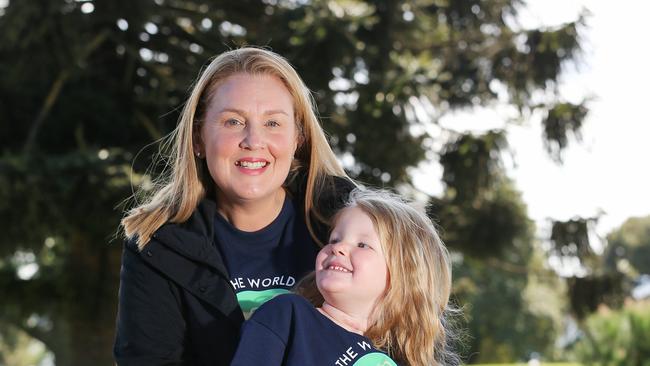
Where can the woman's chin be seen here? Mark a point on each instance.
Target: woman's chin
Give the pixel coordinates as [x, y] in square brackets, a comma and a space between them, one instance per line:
[251, 193]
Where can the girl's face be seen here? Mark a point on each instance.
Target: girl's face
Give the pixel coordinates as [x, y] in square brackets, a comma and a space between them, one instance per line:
[351, 270]
[248, 137]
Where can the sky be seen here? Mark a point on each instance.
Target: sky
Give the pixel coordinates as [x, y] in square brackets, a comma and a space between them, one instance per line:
[603, 174]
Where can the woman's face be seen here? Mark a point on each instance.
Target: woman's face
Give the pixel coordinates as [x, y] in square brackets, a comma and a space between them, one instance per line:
[248, 137]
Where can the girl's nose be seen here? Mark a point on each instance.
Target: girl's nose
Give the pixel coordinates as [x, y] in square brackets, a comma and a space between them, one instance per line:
[338, 249]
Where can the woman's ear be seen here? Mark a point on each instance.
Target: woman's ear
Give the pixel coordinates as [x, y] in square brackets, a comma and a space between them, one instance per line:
[296, 145]
[300, 139]
[197, 142]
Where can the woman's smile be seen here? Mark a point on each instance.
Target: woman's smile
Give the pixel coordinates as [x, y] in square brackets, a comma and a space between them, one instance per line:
[252, 166]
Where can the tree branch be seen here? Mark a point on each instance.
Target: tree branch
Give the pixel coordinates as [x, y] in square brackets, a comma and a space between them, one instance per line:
[55, 90]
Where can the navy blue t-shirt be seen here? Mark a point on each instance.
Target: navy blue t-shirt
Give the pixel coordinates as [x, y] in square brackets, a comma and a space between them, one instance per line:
[267, 262]
[289, 331]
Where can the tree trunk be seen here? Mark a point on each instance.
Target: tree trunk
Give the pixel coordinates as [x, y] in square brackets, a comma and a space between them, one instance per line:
[84, 333]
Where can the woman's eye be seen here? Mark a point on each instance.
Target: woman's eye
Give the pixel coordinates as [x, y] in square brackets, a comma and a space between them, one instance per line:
[272, 123]
[333, 241]
[233, 122]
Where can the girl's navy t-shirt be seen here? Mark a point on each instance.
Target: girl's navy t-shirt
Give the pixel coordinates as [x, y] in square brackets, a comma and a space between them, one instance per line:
[267, 262]
[289, 331]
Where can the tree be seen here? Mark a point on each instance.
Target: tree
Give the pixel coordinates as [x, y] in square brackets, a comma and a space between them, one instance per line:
[605, 282]
[88, 85]
[500, 288]
[597, 300]
[620, 337]
[628, 247]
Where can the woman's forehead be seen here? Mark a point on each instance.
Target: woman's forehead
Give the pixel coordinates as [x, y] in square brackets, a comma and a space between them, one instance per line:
[244, 91]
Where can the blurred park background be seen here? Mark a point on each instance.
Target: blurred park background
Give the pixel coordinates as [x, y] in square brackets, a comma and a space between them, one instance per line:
[435, 98]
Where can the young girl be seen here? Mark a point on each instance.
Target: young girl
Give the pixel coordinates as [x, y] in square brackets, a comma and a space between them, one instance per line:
[385, 280]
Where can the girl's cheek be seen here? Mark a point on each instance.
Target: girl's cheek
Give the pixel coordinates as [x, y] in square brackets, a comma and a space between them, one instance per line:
[320, 257]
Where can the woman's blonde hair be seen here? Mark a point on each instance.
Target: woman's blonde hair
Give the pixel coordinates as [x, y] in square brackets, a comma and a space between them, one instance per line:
[409, 321]
[188, 181]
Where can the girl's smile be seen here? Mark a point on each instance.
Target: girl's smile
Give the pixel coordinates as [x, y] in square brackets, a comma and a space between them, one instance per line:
[352, 268]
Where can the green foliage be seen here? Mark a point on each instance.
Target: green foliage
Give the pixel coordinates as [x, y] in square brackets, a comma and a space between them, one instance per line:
[562, 119]
[586, 294]
[472, 165]
[501, 288]
[629, 245]
[66, 192]
[571, 238]
[19, 349]
[481, 214]
[502, 324]
[60, 215]
[617, 338]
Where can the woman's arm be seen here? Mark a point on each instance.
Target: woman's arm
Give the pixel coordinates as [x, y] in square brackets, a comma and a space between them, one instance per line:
[150, 324]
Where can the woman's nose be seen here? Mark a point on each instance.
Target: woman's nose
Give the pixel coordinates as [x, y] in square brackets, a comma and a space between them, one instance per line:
[253, 138]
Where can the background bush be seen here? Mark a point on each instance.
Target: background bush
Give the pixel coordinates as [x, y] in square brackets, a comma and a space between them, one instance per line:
[617, 338]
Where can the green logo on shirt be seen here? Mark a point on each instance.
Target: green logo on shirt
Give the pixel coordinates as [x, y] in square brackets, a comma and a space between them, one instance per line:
[375, 359]
[249, 301]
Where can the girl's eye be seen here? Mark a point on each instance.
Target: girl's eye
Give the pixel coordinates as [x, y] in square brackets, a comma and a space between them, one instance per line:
[333, 241]
[363, 245]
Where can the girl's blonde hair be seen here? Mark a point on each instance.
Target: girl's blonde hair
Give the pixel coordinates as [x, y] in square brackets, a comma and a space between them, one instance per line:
[408, 322]
[188, 181]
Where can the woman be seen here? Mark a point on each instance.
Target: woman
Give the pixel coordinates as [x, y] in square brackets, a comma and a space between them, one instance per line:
[252, 185]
